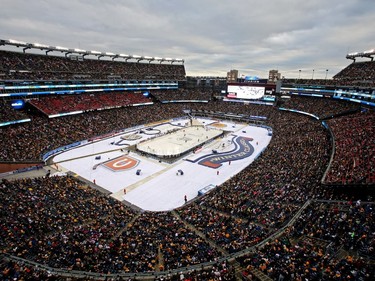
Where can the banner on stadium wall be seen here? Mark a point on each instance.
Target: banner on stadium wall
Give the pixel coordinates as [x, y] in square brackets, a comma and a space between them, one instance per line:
[300, 112]
[60, 149]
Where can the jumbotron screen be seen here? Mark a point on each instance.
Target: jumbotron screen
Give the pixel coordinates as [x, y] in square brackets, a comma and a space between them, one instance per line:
[245, 92]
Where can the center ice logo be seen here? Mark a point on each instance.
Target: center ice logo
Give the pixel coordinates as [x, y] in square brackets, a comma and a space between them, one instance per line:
[122, 163]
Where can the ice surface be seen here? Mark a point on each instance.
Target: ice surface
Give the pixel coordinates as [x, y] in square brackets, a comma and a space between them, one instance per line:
[159, 186]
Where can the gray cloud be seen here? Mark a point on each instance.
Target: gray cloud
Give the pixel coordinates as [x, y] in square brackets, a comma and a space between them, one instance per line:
[213, 37]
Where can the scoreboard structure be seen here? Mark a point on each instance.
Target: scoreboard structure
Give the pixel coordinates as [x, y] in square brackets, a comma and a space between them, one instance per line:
[251, 92]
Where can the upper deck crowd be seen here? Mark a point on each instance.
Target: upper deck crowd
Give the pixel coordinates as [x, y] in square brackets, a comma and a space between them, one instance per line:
[19, 66]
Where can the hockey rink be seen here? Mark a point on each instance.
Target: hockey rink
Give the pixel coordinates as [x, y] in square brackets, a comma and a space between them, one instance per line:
[151, 183]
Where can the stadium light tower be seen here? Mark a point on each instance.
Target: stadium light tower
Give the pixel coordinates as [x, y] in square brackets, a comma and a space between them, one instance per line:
[299, 74]
[312, 77]
[326, 74]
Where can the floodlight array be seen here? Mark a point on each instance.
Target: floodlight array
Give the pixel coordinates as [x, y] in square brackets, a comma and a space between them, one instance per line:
[77, 51]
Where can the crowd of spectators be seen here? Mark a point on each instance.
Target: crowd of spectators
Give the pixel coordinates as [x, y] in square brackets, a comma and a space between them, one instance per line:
[30, 141]
[61, 223]
[27, 141]
[319, 107]
[20, 66]
[347, 224]
[281, 260]
[183, 95]
[356, 74]
[7, 113]
[230, 233]
[12, 270]
[296, 157]
[86, 102]
[44, 219]
[329, 83]
[312, 248]
[58, 222]
[178, 245]
[361, 73]
[354, 158]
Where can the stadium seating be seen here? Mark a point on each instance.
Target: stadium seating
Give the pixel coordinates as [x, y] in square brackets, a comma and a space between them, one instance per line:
[275, 218]
[7, 113]
[86, 102]
[357, 74]
[182, 95]
[354, 157]
[18, 66]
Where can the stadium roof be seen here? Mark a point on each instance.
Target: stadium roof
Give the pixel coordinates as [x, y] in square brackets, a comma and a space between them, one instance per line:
[67, 51]
[366, 54]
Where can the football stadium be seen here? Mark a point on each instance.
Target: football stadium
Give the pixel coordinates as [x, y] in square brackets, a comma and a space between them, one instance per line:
[122, 167]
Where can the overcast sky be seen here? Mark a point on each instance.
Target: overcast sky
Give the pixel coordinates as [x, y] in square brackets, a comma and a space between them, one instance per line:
[252, 36]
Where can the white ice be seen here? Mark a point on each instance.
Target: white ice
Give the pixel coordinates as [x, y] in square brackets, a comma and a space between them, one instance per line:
[158, 187]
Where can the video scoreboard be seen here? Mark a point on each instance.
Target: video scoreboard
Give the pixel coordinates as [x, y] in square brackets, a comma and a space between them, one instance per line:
[250, 91]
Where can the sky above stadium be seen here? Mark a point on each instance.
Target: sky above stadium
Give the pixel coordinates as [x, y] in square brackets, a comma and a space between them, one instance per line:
[252, 36]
